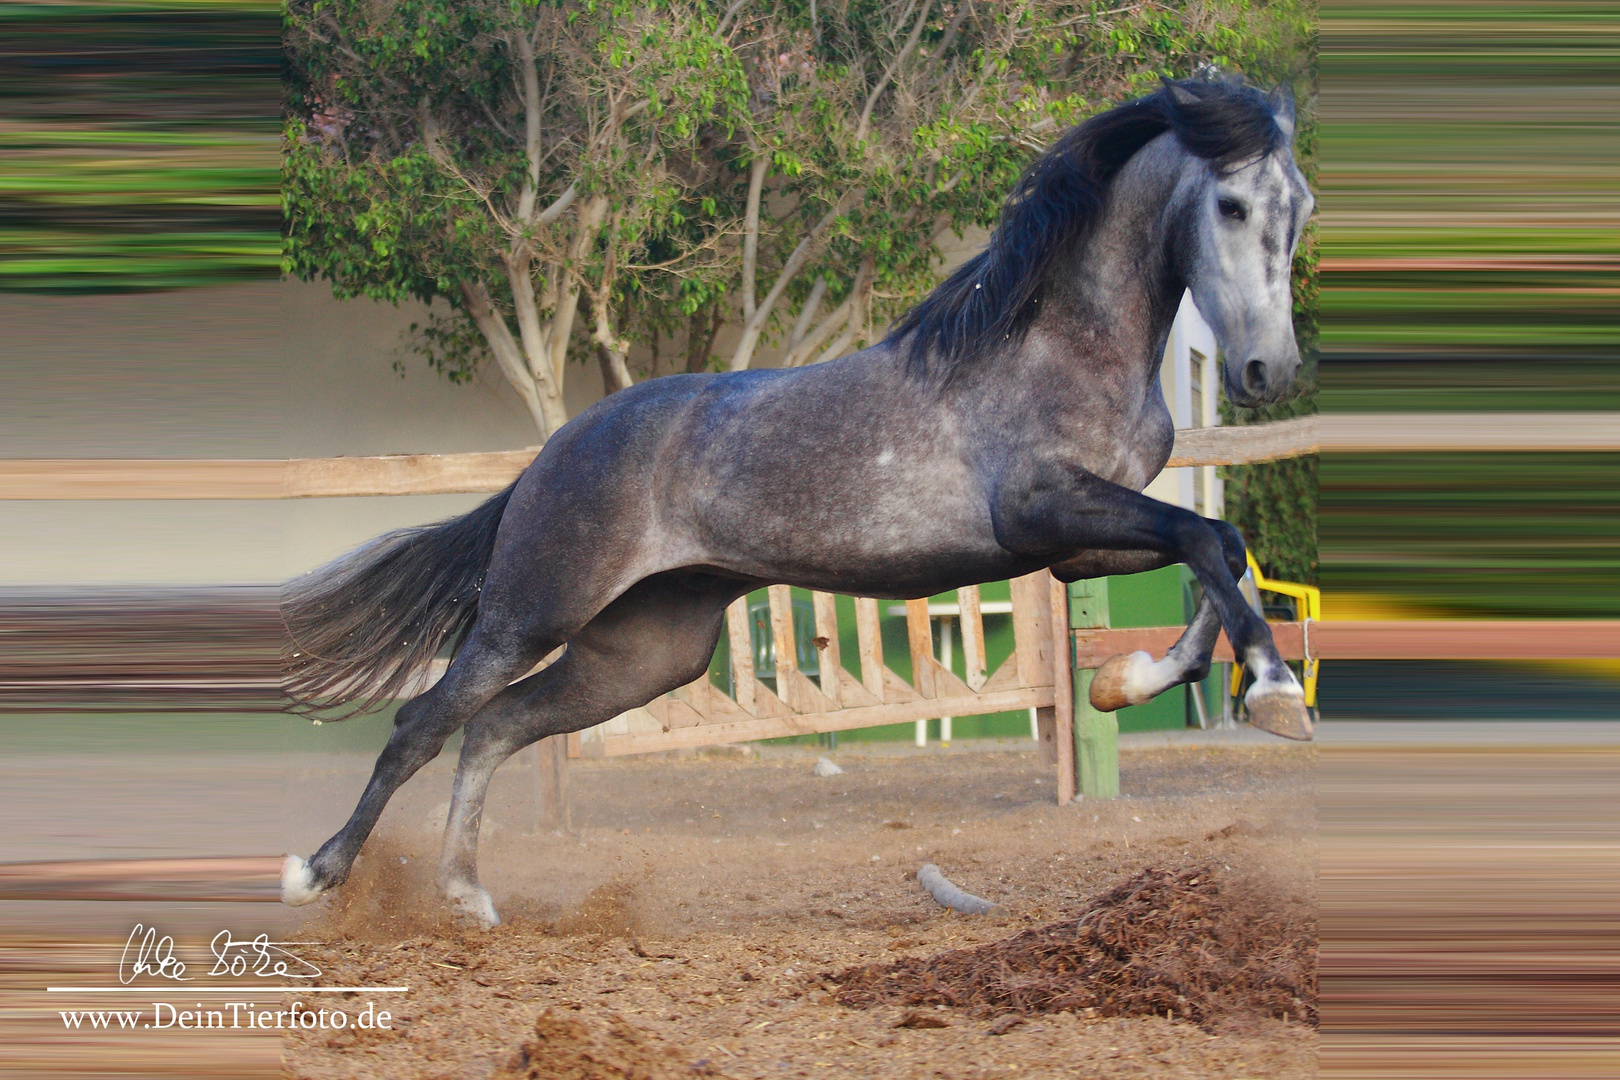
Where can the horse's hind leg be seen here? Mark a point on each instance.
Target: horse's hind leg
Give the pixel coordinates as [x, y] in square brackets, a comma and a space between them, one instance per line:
[481, 669]
[657, 636]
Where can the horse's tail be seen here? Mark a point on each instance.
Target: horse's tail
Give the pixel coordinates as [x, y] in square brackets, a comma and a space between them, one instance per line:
[361, 628]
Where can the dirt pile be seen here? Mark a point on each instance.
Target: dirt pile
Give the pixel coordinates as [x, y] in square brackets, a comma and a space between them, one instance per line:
[563, 1048]
[1186, 943]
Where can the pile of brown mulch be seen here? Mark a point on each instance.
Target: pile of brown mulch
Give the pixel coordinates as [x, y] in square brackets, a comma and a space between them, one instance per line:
[1185, 943]
[563, 1048]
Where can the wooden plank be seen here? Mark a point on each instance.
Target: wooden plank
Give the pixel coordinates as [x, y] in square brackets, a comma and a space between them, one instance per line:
[742, 654]
[658, 709]
[1244, 445]
[1046, 737]
[1550, 639]
[806, 695]
[867, 630]
[680, 715]
[838, 720]
[855, 692]
[1029, 605]
[782, 640]
[1062, 690]
[1092, 646]
[946, 684]
[405, 474]
[920, 635]
[1005, 678]
[639, 721]
[897, 689]
[719, 709]
[972, 622]
[832, 662]
[697, 694]
[767, 704]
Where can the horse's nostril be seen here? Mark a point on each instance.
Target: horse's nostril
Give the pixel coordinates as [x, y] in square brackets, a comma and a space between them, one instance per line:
[1254, 377]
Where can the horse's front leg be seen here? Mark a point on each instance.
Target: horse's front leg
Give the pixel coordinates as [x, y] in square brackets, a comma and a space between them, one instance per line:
[1056, 511]
[1134, 678]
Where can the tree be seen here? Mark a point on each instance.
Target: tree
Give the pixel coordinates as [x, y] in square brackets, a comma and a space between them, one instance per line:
[573, 177]
[510, 158]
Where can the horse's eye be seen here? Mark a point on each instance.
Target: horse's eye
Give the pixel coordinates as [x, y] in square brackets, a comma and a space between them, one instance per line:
[1231, 208]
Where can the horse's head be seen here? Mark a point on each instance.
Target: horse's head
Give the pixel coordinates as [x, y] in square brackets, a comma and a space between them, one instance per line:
[1245, 219]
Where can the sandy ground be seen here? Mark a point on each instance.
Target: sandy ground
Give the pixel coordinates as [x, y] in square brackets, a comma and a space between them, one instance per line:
[701, 900]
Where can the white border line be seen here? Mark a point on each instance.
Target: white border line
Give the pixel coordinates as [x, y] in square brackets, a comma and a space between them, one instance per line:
[181, 991]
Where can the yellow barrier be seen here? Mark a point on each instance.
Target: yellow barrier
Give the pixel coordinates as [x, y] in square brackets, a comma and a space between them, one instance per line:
[1310, 604]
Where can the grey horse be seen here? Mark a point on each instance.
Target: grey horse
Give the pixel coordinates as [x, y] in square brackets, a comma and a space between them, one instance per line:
[1009, 423]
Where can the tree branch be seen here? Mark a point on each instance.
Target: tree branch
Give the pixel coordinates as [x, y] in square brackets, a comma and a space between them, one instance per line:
[555, 210]
[888, 73]
[856, 308]
[562, 323]
[750, 258]
[807, 314]
[744, 353]
[477, 304]
[838, 317]
[531, 129]
[725, 20]
[547, 382]
[955, 24]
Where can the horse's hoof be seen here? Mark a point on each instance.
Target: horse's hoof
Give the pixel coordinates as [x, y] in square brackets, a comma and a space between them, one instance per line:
[1118, 682]
[1282, 712]
[298, 884]
[470, 900]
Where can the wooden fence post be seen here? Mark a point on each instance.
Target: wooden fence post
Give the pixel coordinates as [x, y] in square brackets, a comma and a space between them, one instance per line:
[553, 799]
[1096, 734]
[1057, 599]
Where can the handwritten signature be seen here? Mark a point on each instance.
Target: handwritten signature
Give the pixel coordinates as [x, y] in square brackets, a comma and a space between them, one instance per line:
[154, 955]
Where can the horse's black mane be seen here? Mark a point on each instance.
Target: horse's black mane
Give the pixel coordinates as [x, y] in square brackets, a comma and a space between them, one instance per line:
[992, 297]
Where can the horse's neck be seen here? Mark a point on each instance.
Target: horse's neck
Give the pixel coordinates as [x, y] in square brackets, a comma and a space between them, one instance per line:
[1119, 292]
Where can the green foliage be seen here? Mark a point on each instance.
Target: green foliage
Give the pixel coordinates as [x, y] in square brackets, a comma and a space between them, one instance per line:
[420, 162]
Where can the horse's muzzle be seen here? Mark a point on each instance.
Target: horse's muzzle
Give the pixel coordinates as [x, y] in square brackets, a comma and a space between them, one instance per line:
[1259, 382]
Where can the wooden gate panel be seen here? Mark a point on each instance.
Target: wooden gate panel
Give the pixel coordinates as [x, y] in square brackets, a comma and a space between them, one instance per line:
[701, 714]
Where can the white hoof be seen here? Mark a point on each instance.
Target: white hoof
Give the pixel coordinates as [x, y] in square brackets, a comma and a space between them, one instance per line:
[298, 883]
[1124, 680]
[472, 901]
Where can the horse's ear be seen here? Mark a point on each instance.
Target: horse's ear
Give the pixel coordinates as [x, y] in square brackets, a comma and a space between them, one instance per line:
[1281, 101]
[1178, 92]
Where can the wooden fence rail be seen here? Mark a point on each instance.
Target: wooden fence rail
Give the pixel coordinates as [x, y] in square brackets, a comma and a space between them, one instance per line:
[444, 474]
